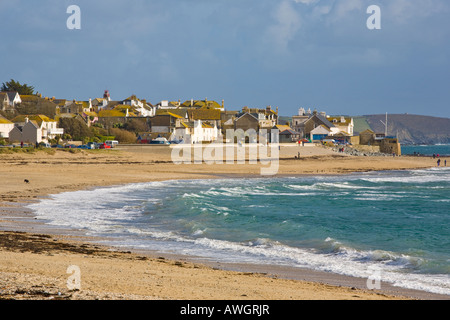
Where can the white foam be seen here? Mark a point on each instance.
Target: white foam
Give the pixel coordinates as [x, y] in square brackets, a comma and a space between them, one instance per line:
[343, 260]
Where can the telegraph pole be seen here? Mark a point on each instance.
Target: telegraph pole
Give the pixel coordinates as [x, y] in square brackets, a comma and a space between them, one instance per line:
[385, 126]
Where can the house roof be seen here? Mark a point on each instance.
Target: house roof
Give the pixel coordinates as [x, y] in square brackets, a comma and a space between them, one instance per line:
[85, 104]
[3, 120]
[175, 115]
[4, 96]
[322, 129]
[204, 114]
[118, 111]
[132, 97]
[285, 129]
[338, 120]
[59, 102]
[29, 98]
[12, 95]
[367, 131]
[19, 126]
[191, 124]
[342, 134]
[178, 113]
[321, 119]
[282, 127]
[201, 103]
[37, 118]
[241, 115]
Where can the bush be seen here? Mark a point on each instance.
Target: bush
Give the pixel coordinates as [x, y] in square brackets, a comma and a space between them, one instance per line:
[123, 136]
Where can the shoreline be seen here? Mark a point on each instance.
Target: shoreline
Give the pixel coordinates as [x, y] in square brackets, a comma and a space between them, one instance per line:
[353, 287]
[28, 225]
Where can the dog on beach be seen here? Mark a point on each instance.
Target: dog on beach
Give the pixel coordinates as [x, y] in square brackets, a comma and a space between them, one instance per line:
[26, 181]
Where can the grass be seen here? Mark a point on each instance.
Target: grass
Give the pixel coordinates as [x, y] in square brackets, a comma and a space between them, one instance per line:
[50, 151]
[11, 150]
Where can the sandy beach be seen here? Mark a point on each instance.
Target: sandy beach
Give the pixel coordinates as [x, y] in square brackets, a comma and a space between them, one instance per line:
[34, 258]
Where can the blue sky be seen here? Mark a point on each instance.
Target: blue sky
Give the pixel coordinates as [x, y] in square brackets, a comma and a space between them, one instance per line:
[316, 54]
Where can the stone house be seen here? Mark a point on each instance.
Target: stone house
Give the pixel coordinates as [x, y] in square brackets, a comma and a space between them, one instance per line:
[4, 101]
[34, 129]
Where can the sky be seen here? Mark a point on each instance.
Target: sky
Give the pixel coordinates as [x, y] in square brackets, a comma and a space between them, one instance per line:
[317, 54]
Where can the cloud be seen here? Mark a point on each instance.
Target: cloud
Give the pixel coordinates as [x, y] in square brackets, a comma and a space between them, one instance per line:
[360, 57]
[404, 11]
[308, 2]
[287, 24]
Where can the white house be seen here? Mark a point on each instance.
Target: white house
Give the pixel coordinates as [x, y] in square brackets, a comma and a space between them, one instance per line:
[319, 133]
[140, 106]
[14, 98]
[5, 127]
[342, 124]
[194, 132]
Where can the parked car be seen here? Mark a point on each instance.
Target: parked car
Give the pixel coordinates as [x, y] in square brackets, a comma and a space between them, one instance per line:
[159, 140]
[104, 146]
[92, 145]
[112, 143]
[83, 147]
[44, 145]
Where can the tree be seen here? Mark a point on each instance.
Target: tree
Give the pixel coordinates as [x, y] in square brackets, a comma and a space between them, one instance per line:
[22, 89]
[75, 128]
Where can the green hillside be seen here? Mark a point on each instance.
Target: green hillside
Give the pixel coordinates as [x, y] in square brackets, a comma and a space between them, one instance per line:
[360, 124]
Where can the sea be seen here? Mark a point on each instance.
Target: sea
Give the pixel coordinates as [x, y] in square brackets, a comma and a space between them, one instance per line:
[393, 224]
[427, 150]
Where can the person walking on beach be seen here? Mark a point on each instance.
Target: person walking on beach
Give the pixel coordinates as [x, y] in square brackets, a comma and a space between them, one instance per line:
[439, 162]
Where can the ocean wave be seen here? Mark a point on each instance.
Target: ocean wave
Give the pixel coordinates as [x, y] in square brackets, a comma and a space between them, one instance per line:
[341, 260]
[112, 210]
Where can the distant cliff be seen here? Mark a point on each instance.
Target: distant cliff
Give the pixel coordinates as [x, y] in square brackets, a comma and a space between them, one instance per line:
[410, 129]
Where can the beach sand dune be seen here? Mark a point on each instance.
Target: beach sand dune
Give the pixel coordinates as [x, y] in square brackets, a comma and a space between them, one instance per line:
[34, 259]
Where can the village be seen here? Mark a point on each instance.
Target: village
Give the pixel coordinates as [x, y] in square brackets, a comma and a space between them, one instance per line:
[137, 121]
